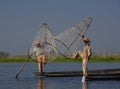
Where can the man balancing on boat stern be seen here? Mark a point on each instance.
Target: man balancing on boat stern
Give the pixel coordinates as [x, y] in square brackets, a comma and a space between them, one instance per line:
[38, 49]
[85, 55]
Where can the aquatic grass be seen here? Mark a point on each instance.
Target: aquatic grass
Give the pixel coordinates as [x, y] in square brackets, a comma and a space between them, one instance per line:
[105, 59]
[12, 59]
[63, 59]
[92, 59]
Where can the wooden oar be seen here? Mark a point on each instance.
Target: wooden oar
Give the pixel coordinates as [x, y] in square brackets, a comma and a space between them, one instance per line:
[21, 68]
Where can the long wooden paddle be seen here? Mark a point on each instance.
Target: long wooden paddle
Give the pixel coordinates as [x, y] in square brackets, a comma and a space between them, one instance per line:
[21, 68]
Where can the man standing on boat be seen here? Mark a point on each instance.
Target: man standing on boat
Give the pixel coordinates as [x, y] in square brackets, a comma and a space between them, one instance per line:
[85, 55]
[38, 49]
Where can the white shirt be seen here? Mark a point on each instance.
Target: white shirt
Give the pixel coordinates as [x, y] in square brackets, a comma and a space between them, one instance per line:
[37, 50]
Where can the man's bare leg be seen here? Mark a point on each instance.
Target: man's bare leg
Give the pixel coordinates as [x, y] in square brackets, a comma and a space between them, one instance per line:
[44, 60]
[84, 67]
[40, 67]
[77, 54]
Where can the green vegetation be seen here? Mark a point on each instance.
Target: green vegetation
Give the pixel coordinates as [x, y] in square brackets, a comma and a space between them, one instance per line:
[105, 59]
[13, 59]
[92, 59]
[61, 59]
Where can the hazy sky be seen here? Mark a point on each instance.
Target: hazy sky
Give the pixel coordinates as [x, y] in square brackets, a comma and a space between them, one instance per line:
[20, 19]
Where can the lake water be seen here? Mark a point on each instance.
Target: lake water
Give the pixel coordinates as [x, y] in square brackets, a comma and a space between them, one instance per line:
[27, 80]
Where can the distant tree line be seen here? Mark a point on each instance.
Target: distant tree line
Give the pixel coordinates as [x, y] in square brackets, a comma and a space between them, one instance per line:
[4, 54]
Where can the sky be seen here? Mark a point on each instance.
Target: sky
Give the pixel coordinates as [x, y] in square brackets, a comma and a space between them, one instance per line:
[21, 19]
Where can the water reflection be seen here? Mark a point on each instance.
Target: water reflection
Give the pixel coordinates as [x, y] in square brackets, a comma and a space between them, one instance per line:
[40, 83]
[85, 85]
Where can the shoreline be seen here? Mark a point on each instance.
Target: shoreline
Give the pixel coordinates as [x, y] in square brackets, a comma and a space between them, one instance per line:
[61, 59]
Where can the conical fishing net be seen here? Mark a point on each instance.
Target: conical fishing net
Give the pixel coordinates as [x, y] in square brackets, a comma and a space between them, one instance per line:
[46, 39]
[66, 43]
[69, 41]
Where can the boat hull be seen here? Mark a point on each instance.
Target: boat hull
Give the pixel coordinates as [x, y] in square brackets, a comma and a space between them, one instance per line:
[92, 74]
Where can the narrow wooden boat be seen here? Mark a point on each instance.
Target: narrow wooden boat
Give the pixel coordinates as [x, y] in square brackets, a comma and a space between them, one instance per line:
[92, 74]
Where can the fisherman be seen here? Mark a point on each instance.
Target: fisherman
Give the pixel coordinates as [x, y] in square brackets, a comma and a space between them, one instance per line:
[38, 49]
[85, 55]
[87, 49]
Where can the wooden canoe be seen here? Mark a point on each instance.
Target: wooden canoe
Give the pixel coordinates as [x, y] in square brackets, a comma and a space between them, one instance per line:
[92, 74]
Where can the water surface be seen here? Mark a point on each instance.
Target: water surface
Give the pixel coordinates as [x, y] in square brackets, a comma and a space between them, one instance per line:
[27, 80]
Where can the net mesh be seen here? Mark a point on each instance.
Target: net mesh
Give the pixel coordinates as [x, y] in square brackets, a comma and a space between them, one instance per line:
[69, 41]
[46, 39]
[65, 43]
